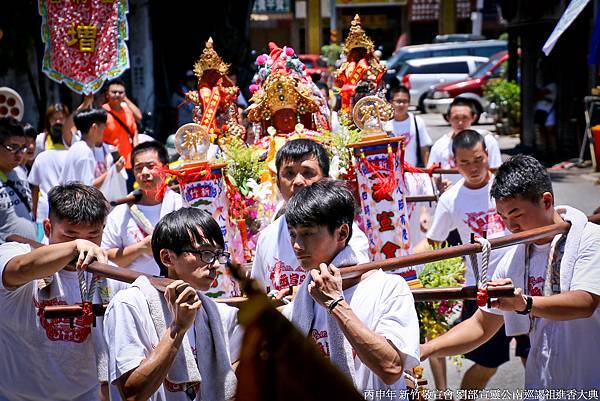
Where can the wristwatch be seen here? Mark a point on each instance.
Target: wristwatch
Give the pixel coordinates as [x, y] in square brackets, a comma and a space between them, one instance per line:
[528, 305]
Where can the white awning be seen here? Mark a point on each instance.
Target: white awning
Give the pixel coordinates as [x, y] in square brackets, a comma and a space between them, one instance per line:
[571, 13]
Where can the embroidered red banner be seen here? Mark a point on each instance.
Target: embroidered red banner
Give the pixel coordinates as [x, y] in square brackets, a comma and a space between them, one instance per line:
[84, 41]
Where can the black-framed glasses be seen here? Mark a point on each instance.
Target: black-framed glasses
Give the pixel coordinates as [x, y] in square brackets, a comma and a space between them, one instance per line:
[209, 257]
[15, 148]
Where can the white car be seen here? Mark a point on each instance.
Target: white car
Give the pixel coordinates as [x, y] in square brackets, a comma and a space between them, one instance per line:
[419, 75]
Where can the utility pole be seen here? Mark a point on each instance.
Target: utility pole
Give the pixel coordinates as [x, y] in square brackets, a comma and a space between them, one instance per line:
[313, 26]
[447, 17]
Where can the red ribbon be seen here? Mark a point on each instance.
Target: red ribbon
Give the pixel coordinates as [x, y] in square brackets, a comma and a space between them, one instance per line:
[200, 172]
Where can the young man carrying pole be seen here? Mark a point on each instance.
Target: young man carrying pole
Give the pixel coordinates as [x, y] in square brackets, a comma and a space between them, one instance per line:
[557, 291]
[369, 330]
[50, 359]
[178, 346]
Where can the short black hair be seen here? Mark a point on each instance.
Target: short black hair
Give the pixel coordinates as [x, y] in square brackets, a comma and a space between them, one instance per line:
[521, 176]
[467, 139]
[300, 149]
[398, 89]
[156, 146]
[29, 131]
[9, 126]
[462, 101]
[327, 202]
[78, 204]
[182, 229]
[116, 81]
[84, 119]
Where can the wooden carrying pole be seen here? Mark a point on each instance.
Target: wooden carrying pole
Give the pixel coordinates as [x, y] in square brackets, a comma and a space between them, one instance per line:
[354, 272]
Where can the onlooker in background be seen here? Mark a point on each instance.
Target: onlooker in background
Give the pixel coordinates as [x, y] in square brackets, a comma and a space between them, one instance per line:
[46, 173]
[15, 196]
[128, 232]
[183, 108]
[57, 115]
[81, 162]
[122, 114]
[412, 128]
[461, 115]
[30, 137]
[334, 121]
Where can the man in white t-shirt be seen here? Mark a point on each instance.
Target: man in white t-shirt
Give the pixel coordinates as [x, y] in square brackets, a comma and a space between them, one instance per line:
[369, 330]
[300, 162]
[45, 174]
[557, 287]
[15, 195]
[178, 346]
[468, 207]
[50, 359]
[88, 160]
[129, 226]
[412, 128]
[461, 115]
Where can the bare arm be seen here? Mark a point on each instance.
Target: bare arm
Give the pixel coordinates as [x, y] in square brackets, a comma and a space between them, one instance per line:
[69, 125]
[49, 259]
[464, 337]
[568, 305]
[140, 383]
[137, 113]
[126, 256]
[373, 349]
[425, 150]
[35, 195]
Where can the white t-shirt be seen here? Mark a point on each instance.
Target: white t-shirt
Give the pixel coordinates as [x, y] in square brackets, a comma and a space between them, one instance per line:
[121, 229]
[469, 211]
[275, 264]
[131, 336]
[46, 173]
[45, 360]
[441, 152]
[406, 128]
[564, 354]
[85, 164]
[384, 303]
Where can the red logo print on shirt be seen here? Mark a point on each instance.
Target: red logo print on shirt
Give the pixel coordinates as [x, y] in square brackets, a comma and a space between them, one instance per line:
[283, 275]
[489, 221]
[320, 337]
[60, 329]
[535, 285]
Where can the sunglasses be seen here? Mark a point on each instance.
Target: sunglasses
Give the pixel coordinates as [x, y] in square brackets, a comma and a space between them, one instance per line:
[16, 148]
[209, 257]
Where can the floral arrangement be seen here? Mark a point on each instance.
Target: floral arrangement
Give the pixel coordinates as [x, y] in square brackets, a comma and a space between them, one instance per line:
[436, 317]
[340, 156]
[250, 202]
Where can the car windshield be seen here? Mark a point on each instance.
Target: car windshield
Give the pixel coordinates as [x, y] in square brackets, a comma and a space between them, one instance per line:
[486, 67]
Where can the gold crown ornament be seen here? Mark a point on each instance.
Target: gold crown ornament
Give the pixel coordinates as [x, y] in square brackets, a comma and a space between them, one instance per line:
[210, 60]
[357, 38]
[281, 91]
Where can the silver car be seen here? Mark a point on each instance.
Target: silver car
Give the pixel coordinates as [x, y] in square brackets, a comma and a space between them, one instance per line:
[419, 75]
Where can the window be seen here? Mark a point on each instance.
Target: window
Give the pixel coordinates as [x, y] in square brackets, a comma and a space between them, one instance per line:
[487, 51]
[459, 67]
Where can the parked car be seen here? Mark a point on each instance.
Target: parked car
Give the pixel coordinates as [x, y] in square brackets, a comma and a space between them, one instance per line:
[440, 96]
[315, 64]
[419, 75]
[483, 48]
